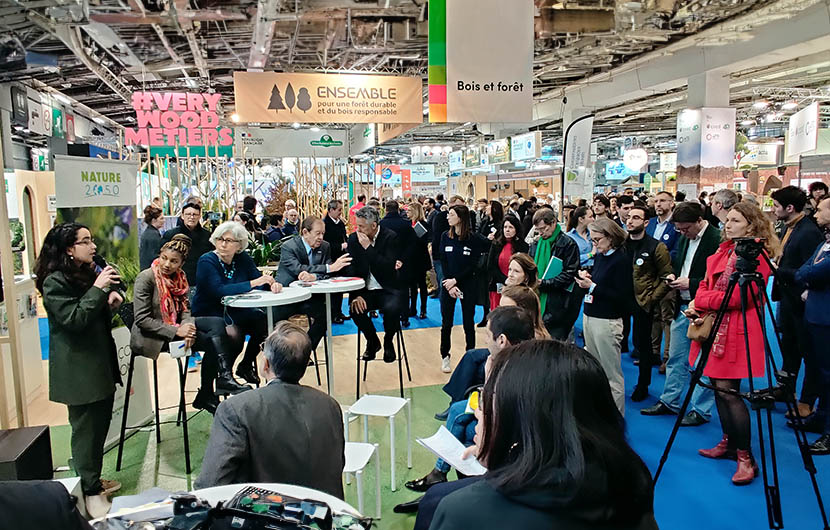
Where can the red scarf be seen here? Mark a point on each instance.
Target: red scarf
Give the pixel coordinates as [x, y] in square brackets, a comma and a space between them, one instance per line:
[172, 294]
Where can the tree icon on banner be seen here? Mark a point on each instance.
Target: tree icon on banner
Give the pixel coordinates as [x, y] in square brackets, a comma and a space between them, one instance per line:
[275, 103]
[304, 100]
[289, 97]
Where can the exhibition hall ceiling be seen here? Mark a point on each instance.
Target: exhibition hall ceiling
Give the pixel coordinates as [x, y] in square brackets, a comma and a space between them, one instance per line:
[99, 51]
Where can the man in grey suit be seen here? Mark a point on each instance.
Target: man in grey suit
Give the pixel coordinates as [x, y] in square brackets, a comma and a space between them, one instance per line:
[307, 257]
[283, 432]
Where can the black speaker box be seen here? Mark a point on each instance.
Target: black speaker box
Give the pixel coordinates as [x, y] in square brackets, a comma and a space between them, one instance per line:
[26, 454]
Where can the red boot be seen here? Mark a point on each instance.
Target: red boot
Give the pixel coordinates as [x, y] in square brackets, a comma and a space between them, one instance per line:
[747, 469]
[720, 451]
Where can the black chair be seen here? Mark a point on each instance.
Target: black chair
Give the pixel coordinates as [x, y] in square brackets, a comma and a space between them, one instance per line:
[402, 357]
[128, 317]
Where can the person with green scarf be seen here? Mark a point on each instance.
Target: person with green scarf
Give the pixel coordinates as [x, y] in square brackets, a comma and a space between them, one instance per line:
[555, 288]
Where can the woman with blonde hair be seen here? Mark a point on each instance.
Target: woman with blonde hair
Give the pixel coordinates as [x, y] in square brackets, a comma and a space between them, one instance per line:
[526, 298]
[727, 363]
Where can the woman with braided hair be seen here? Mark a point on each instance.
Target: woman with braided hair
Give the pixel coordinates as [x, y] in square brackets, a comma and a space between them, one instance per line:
[162, 314]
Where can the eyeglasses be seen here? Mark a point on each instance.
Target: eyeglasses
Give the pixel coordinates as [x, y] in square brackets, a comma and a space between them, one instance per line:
[226, 240]
[596, 240]
[191, 214]
[85, 241]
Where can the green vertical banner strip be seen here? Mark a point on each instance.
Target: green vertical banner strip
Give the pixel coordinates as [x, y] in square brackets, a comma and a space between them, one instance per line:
[438, 33]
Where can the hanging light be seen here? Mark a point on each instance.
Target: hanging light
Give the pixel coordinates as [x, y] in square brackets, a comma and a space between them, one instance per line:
[790, 105]
[761, 104]
[748, 122]
[235, 117]
[296, 125]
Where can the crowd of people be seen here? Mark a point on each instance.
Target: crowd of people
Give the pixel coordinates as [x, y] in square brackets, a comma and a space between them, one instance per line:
[649, 266]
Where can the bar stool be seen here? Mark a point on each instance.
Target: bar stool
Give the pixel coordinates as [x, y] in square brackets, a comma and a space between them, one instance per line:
[127, 316]
[402, 357]
[384, 407]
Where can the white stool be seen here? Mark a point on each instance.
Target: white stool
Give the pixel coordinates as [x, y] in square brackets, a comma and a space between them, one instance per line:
[385, 407]
[357, 458]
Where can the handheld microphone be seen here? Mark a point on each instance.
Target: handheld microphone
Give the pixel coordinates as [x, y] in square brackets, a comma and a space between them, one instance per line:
[102, 263]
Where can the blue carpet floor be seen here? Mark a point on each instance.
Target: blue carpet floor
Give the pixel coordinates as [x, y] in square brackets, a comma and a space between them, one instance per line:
[693, 492]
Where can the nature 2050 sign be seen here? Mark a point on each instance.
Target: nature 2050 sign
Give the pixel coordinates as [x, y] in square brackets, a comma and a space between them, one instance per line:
[271, 97]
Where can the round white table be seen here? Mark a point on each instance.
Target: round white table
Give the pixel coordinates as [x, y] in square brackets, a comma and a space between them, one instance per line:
[267, 299]
[327, 288]
[223, 493]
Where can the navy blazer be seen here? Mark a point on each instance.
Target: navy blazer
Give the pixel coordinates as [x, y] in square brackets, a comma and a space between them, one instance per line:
[294, 260]
[815, 274]
[669, 238]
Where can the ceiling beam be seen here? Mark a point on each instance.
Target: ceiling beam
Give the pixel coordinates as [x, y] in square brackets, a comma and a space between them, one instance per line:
[115, 46]
[185, 27]
[263, 34]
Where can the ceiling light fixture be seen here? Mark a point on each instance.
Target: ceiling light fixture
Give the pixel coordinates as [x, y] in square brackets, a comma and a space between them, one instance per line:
[315, 129]
[761, 104]
[790, 105]
[235, 117]
[748, 122]
[296, 125]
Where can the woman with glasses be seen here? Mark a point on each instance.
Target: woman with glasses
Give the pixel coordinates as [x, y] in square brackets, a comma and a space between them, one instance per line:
[83, 364]
[554, 447]
[228, 271]
[199, 237]
[162, 315]
[610, 293]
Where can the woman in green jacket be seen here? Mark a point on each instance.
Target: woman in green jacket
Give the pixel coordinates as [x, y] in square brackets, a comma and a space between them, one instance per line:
[83, 362]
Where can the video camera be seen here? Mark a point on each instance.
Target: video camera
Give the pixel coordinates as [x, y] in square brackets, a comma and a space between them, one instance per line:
[748, 250]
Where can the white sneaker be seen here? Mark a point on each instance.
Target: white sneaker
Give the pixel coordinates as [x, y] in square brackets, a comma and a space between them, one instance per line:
[97, 506]
[445, 365]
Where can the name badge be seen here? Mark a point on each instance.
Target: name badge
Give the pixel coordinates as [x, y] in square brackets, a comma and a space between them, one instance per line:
[639, 261]
[447, 249]
[589, 299]
[665, 237]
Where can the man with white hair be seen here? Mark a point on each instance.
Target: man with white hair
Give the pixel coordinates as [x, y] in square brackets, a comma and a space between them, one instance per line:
[284, 432]
[722, 201]
[292, 222]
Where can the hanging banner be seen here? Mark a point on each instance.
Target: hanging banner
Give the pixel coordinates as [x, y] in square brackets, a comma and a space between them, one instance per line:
[272, 97]
[170, 119]
[388, 131]
[484, 75]
[577, 157]
[406, 182]
[457, 160]
[668, 162]
[421, 172]
[802, 134]
[688, 137]
[58, 129]
[526, 146]
[70, 127]
[20, 106]
[277, 143]
[35, 112]
[387, 175]
[717, 138]
[498, 151]
[82, 182]
[361, 138]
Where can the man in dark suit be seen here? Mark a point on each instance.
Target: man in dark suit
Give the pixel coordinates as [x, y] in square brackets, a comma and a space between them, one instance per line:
[699, 240]
[407, 242]
[306, 257]
[375, 252]
[799, 242]
[283, 432]
[336, 237]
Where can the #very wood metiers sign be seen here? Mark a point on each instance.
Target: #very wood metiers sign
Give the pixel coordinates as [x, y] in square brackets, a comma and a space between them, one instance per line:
[272, 97]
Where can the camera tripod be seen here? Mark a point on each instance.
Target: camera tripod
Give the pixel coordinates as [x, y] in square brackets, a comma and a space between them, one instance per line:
[749, 281]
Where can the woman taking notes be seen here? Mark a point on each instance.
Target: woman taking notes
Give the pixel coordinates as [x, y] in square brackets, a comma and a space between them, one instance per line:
[83, 363]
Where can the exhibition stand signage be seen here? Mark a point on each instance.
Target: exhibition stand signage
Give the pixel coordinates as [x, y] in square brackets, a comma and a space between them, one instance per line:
[170, 119]
[485, 75]
[271, 97]
[706, 137]
[526, 146]
[276, 143]
[802, 133]
[101, 194]
[578, 181]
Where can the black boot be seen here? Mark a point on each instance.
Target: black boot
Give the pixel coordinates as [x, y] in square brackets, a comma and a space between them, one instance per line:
[225, 383]
[206, 400]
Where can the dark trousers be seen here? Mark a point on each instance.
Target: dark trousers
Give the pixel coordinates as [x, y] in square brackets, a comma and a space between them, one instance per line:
[641, 337]
[794, 346]
[560, 316]
[337, 305]
[433, 496]
[389, 302]
[469, 372]
[626, 331]
[818, 361]
[314, 308]
[254, 323]
[661, 326]
[90, 423]
[414, 286]
[210, 334]
[468, 310]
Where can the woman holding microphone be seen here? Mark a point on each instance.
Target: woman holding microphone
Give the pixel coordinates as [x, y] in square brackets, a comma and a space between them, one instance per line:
[83, 362]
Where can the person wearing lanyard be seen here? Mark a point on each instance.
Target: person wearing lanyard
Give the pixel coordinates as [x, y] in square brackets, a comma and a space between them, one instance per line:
[698, 240]
[459, 252]
[815, 274]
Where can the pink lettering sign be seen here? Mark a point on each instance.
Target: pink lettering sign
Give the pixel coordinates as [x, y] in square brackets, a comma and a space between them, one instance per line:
[177, 119]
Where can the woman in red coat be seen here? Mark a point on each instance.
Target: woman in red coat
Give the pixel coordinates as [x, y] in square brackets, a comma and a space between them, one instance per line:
[727, 363]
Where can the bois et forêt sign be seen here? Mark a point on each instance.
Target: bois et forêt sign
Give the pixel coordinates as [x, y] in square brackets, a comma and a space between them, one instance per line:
[272, 97]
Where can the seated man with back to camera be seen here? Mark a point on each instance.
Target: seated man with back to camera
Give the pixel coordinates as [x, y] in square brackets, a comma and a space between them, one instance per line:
[307, 258]
[283, 432]
[375, 254]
